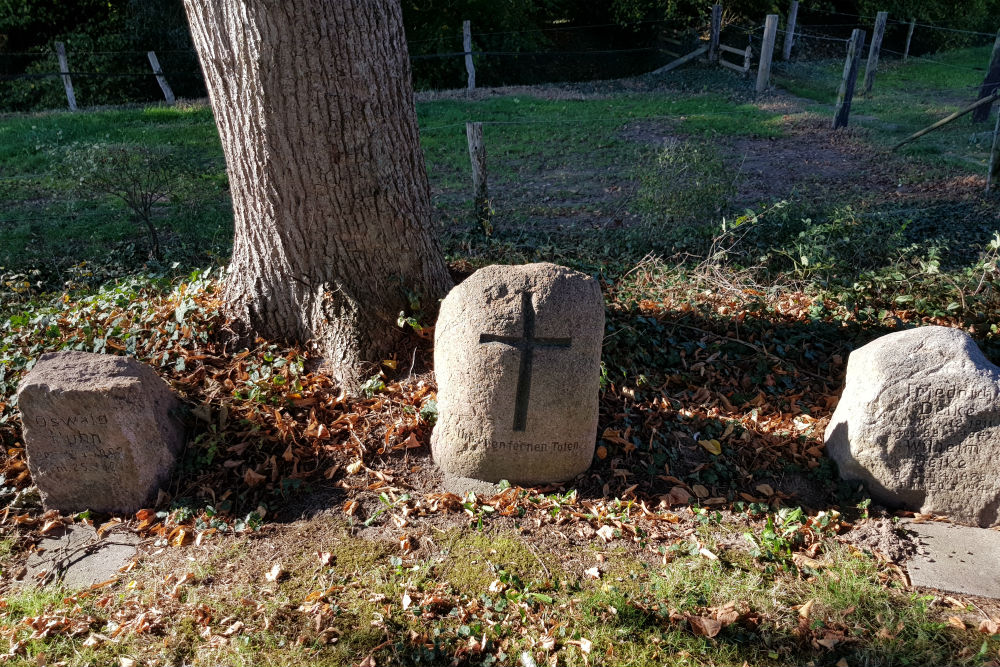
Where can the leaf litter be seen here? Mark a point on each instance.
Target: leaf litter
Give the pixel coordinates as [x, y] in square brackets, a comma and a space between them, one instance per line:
[706, 437]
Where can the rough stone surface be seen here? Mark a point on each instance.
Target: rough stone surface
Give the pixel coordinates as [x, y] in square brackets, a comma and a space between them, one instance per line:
[957, 559]
[101, 431]
[517, 353]
[919, 424]
[77, 557]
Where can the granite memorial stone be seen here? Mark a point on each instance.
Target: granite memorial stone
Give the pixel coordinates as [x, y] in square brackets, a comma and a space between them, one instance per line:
[919, 424]
[101, 431]
[517, 354]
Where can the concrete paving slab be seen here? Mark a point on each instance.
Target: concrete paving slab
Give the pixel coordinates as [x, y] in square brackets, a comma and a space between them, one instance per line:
[78, 558]
[957, 559]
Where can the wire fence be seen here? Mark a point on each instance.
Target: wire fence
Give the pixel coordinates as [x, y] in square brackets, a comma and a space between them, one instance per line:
[814, 70]
[495, 63]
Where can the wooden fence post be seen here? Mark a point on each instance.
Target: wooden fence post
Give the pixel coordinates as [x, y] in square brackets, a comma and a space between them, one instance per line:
[64, 71]
[713, 43]
[793, 14]
[467, 46]
[990, 84]
[994, 173]
[168, 93]
[873, 50]
[909, 37]
[766, 52]
[846, 93]
[480, 192]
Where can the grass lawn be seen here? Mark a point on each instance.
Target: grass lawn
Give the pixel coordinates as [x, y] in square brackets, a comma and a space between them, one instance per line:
[744, 249]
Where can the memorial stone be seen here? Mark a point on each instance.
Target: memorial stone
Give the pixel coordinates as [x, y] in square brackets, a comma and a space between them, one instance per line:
[517, 354]
[919, 424]
[101, 432]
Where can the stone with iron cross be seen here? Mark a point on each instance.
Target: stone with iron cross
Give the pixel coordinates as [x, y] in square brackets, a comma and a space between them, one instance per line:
[517, 355]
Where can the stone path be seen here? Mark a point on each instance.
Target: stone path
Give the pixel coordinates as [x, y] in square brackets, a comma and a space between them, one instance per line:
[79, 558]
[957, 559]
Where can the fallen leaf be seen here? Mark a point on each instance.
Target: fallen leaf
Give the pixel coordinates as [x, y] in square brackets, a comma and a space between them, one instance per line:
[843, 663]
[956, 622]
[407, 601]
[700, 491]
[275, 573]
[765, 489]
[806, 609]
[727, 614]
[707, 554]
[711, 446]
[325, 557]
[606, 533]
[989, 626]
[368, 662]
[49, 525]
[233, 629]
[704, 627]
[801, 560]
[253, 478]
[355, 467]
[593, 573]
[602, 452]
[586, 645]
[678, 496]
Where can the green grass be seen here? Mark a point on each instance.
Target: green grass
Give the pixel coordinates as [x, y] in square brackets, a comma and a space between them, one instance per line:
[907, 97]
[634, 613]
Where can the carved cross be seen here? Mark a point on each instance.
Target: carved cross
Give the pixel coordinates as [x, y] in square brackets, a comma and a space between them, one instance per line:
[526, 344]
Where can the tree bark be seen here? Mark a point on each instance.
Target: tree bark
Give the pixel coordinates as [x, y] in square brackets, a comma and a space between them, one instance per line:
[333, 238]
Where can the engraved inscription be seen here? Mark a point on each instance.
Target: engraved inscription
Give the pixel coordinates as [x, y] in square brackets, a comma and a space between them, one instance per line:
[102, 460]
[939, 443]
[72, 421]
[517, 445]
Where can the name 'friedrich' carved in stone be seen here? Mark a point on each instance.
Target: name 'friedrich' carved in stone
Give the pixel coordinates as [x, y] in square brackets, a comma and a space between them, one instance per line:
[919, 424]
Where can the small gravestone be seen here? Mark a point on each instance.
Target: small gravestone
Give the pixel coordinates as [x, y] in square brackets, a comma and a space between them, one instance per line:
[101, 432]
[517, 356]
[919, 424]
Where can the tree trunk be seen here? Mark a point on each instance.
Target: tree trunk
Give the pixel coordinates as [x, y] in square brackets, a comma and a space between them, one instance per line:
[333, 238]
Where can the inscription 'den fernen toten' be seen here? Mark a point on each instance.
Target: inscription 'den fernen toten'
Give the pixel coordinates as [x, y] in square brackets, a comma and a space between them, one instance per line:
[518, 446]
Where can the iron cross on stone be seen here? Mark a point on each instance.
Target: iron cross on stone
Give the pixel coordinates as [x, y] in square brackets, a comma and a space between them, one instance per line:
[526, 344]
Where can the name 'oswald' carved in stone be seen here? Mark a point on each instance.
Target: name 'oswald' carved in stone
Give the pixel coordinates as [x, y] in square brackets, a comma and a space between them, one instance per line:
[517, 359]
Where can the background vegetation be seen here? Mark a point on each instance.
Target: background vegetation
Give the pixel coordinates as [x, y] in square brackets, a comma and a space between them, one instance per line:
[558, 40]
